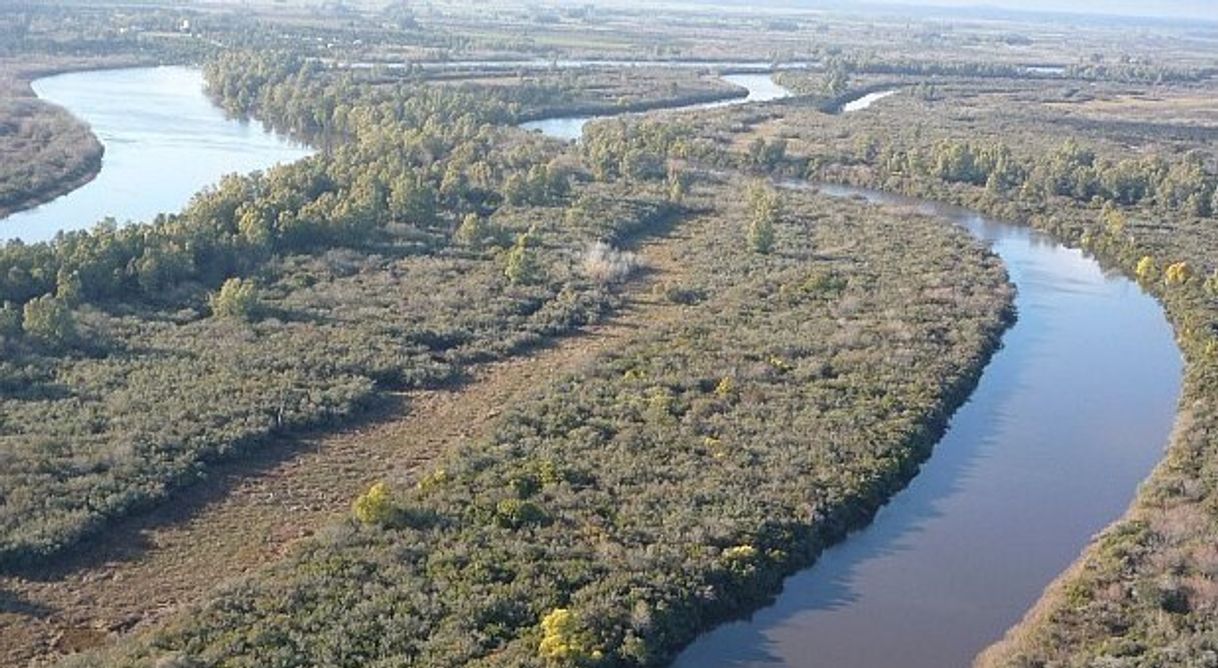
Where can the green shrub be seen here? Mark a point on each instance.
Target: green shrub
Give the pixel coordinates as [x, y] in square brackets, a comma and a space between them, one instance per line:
[375, 507]
[765, 209]
[473, 231]
[49, 320]
[515, 513]
[236, 299]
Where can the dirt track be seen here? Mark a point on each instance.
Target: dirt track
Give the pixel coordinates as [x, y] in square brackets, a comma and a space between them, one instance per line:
[249, 513]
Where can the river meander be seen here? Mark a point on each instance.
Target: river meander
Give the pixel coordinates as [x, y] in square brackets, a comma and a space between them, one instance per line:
[1068, 417]
[164, 141]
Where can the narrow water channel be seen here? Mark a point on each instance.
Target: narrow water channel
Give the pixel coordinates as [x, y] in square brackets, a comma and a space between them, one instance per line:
[866, 101]
[164, 141]
[760, 87]
[1070, 415]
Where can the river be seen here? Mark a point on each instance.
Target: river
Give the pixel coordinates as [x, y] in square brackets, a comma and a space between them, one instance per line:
[1069, 416]
[164, 141]
[760, 87]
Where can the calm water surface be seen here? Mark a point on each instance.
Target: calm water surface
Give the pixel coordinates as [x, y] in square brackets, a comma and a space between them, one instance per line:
[164, 142]
[760, 87]
[1070, 415]
[866, 101]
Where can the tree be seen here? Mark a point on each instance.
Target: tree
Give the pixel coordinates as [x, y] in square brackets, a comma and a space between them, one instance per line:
[1211, 284]
[641, 165]
[765, 210]
[254, 226]
[68, 287]
[473, 231]
[10, 320]
[1177, 274]
[1113, 220]
[837, 81]
[678, 184]
[1145, 270]
[522, 266]
[564, 641]
[412, 200]
[48, 319]
[516, 189]
[236, 299]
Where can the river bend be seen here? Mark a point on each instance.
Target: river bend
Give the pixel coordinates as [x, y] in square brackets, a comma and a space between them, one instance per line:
[164, 141]
[1068, 417]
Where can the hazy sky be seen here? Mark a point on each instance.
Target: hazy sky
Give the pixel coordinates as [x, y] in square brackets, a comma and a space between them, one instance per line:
[1176, 9]
[1204, 9]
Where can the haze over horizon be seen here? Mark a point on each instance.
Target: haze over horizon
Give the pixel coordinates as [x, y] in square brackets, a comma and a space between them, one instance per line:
[1202, 9]
[1206, 10]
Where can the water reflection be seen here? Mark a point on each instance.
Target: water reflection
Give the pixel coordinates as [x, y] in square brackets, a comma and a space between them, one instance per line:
[164, 142]
[760, 87]
[1069, 416]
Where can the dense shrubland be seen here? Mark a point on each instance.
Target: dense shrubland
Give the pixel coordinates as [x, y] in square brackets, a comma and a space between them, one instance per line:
[1126, 69]
[421, 206]
[1183, 185]
[628, 505]
[668, 485]
[283, 300]
[143, 396]
[1144, 594]
[43, 151]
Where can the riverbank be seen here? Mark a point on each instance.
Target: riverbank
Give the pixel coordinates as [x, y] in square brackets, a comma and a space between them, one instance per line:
[933, 580]
[45, 152]
[165, 141]
[818, 336]
[1142, 593]
[632, 107]
[866, 150]
[1142, 586]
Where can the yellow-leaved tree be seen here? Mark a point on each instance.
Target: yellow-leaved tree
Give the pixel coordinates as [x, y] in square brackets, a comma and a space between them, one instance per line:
[564, 640]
